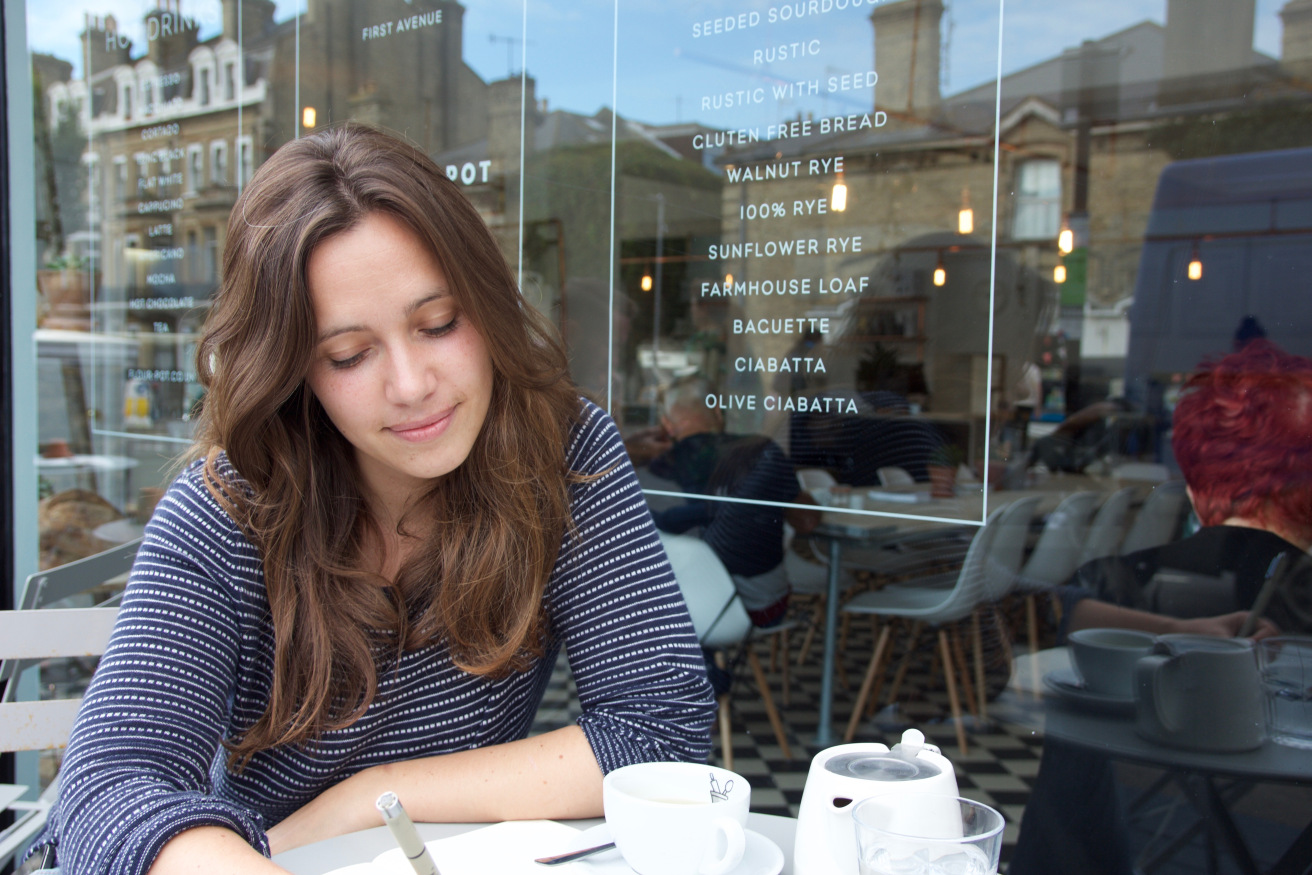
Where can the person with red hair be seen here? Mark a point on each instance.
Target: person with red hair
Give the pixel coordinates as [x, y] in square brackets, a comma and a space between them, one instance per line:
[1242, 432]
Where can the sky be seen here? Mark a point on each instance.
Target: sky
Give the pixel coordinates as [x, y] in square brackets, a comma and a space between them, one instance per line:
[665, 72]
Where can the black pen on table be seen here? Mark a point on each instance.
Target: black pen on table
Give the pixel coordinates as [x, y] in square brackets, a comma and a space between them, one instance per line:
[403, 830]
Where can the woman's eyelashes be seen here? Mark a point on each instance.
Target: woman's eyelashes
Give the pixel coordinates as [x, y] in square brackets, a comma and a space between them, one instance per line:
[432, 332]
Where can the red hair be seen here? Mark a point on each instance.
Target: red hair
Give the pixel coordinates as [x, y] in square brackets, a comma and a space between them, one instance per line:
[1243, 439]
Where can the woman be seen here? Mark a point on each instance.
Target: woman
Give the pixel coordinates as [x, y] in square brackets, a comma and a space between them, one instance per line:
[398, 512]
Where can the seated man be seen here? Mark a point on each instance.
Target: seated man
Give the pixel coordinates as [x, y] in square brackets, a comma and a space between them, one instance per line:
[692, 449]
[1241, 432]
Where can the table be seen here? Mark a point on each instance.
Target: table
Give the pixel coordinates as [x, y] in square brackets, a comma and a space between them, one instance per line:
[1196, 772]
[363, 846]
[898, 521]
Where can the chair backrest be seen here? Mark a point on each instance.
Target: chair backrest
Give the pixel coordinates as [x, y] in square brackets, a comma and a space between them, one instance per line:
[814, 478]
[892, 475]
[1108, 526]
[1057, 554]
[1011, 530]
[1158, 521]
[55, 584]
[970, 587]
[718, 615]
[47, 634]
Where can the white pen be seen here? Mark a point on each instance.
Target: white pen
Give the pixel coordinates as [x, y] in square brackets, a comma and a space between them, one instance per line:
[403, 830]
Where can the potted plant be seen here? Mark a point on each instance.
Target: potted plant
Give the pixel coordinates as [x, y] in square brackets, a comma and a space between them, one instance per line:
[943, 464]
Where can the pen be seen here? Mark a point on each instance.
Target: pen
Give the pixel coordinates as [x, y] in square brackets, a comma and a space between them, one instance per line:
[403, 830]
[1263, 595]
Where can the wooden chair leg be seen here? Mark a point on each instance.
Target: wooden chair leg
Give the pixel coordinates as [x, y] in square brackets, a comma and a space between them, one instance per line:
[1032, 621]
[726, 733]
[876, 658]
[912, 642]
[775, 723]
[783, 668]
[817, 616]
[967, 685]
[979, 666]
[953, 702]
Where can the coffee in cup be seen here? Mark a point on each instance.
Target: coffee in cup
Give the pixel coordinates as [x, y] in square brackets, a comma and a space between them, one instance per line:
[1105, 659]
[677, 818]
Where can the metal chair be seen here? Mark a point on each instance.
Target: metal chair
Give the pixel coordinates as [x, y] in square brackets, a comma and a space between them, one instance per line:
[721, 623]
[36, 632]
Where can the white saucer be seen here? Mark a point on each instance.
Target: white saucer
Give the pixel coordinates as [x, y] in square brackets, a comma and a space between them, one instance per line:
[760, 857]
[1066, 684]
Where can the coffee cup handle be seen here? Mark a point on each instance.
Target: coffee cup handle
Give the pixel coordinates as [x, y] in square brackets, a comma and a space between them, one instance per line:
[734, 845]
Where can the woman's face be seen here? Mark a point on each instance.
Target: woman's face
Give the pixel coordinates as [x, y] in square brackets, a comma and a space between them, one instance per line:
[399, 370]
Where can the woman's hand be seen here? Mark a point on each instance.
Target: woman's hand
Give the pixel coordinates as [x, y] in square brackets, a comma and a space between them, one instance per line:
[1227, 626]
[549, 776]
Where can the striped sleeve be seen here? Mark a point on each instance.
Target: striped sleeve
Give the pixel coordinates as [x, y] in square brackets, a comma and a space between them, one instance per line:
[152, 718]
[639, 670]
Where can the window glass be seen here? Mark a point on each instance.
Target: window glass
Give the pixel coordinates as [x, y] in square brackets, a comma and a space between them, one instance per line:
[882, 267]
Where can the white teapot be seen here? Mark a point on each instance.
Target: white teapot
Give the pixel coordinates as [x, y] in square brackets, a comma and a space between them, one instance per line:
[844, 775]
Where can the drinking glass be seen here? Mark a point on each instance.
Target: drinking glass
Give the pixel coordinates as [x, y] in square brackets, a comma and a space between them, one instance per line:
[923, 834]
[1286, 668]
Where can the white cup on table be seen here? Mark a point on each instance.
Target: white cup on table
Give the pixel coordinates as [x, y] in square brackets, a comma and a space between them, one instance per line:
[677, 818]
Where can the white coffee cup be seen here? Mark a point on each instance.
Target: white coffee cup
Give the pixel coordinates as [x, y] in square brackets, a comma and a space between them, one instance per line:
[677, 818]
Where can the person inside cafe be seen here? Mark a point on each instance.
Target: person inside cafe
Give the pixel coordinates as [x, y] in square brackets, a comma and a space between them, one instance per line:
[1240, 435]
[397, 512]
[691, 448]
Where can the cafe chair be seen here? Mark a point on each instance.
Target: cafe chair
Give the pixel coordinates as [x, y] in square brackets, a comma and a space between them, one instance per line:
[721, 623]
[1108, 527]
[892, 475]
[939, 607]
[31, 635]
[811, 479]
[1056, 555]
[1158, 521]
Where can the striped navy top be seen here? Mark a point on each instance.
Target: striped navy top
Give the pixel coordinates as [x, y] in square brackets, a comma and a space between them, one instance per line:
[190, 662]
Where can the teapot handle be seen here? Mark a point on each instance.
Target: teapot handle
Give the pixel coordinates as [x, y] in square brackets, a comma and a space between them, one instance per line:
[1154, 689]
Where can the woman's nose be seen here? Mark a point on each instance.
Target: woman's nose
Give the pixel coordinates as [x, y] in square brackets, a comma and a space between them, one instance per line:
[410, 376]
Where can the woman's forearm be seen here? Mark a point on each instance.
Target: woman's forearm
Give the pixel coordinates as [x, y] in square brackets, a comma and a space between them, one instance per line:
[554, 776]
[209, 849]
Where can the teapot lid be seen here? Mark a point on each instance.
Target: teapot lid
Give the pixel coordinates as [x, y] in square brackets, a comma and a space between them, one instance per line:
[902, 763]
[887, 767]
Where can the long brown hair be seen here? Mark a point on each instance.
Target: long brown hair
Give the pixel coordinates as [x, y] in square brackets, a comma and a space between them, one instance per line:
[489, 531]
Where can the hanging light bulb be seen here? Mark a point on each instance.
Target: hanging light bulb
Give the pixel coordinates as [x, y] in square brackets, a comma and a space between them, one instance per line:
[1059, 274]
[1066, 241]
[308, 117]
[646, 282]
[838, 200]
[940, 273]
[965, 216]
[728, 279]
[1195, 265]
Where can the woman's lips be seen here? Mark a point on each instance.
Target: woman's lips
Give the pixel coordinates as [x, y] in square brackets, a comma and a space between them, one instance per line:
[422, 430]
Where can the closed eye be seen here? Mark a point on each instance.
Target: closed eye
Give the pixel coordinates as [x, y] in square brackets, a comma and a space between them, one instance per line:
[343, 364]
[439, 330]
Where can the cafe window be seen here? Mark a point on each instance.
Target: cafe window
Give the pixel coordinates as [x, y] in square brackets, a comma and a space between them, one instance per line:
[245, 158]
[195, 167]
[219, 162]
[1038, 200]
